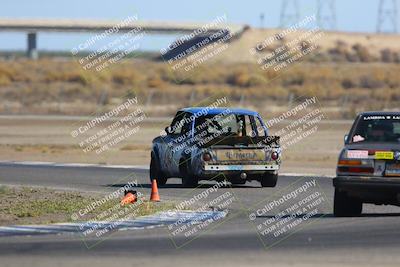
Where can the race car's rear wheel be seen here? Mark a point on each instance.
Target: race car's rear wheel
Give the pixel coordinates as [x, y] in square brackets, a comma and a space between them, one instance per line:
[155, 171]
[188, 179]
[269, 180]
[237, 181]
[345, 206]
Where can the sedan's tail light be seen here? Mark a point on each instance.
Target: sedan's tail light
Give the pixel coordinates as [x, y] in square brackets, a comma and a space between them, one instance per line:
[354, 166]
[356, 169]
[350, 162]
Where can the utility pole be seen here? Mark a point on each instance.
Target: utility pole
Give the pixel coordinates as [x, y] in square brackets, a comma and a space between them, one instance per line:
[262, 20]
[387, 12]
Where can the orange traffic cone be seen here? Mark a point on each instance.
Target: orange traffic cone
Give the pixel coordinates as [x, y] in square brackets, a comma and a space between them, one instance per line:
[154, 191]
[130, 197]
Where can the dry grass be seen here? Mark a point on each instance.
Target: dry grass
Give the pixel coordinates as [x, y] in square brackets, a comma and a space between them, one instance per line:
[50, 86]
[26, 205]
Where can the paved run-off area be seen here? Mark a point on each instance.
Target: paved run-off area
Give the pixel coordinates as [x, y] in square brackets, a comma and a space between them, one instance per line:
[245, 237]
[48, 139]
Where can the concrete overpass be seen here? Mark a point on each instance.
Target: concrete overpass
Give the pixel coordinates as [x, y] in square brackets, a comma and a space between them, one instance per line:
[34, 26]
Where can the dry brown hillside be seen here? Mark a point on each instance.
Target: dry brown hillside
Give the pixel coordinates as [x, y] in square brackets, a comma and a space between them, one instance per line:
[375, 43]
[349, 72]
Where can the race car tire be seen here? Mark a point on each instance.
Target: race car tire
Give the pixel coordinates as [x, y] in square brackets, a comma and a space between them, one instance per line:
[188, 180]
[155, 171]
[269, 180]
[345, 206]
[237, 181]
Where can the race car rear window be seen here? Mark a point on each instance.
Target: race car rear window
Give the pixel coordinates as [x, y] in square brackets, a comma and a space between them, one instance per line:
[225, 124]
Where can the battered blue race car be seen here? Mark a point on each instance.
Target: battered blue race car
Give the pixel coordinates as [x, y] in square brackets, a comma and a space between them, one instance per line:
[368, 169]
[205, 143]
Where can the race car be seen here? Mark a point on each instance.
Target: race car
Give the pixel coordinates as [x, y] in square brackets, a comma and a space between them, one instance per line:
[204, 143]
[368, 169]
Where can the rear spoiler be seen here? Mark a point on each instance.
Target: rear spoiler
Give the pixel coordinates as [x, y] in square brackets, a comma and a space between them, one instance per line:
[260, 141]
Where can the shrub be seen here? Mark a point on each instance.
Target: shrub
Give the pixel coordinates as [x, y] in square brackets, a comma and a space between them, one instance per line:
[4, 79]
[387, 55]
[339, 52]
[348, 83]
[293, 79]
[239, 78]
[366, 81]
[155, 82]
[304, 45]
[74, 76]
[362, 53]
[122, 78]
[257, 80]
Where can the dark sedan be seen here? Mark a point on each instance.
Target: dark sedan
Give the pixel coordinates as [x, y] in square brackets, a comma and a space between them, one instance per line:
[368, 169]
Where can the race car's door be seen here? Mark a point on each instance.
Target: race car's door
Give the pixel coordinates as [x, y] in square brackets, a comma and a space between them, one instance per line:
[176, 140]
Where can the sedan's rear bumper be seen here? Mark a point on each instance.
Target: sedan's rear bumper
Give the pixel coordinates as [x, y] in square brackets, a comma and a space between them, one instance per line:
[375, 190]
[367, 183]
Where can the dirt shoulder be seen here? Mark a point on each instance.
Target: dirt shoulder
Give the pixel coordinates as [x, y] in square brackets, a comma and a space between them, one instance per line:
[28, 205]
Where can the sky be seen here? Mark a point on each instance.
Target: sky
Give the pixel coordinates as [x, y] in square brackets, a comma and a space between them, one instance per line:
[352, 15]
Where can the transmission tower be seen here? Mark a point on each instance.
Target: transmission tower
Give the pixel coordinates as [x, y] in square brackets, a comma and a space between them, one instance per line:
[387, 16]
[326, 14]
[290, 13]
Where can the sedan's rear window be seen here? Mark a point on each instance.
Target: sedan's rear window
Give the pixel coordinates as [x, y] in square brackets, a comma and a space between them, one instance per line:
[377, 128]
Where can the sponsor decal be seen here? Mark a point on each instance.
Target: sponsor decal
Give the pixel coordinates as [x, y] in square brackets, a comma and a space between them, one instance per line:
[384, 155]
[393, 170]
[357, 154]
[379, 167]
[381, 117]
[397, 155]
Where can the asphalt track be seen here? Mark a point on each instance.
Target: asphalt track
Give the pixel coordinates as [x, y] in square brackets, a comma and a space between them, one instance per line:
[370, 240]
